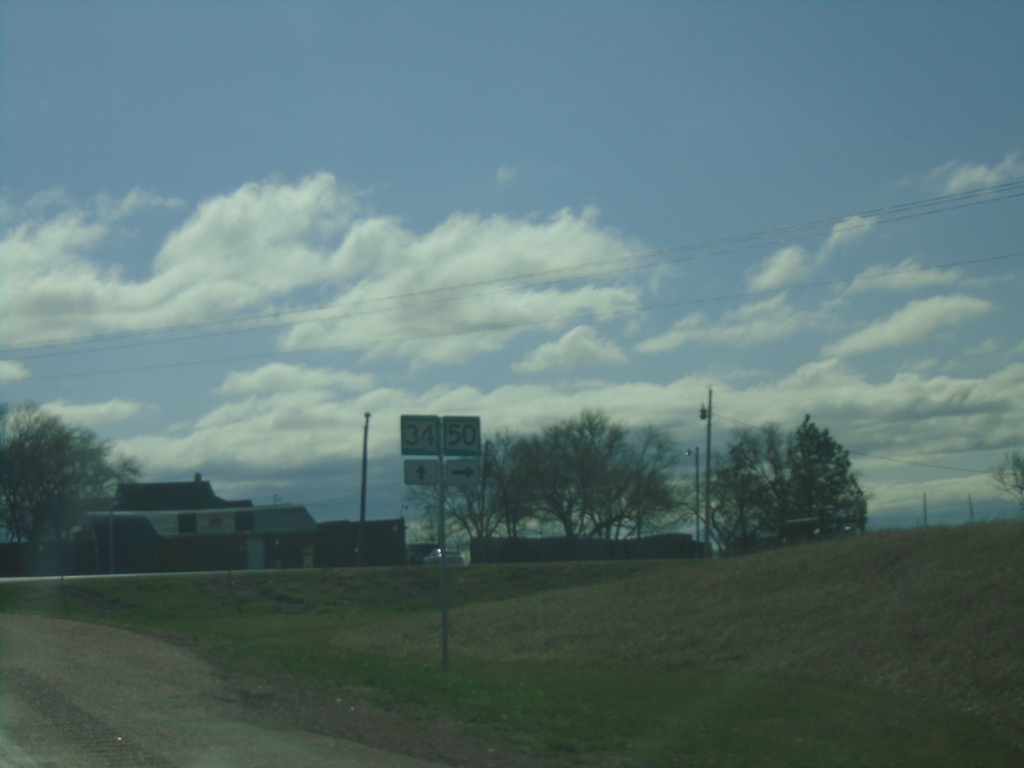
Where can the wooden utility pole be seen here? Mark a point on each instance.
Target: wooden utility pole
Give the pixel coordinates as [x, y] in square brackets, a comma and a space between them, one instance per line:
[705, 413]
[361, 537]
[696, 466]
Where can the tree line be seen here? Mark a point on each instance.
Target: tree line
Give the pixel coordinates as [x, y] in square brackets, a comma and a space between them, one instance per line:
[589, 476]
[586, 476]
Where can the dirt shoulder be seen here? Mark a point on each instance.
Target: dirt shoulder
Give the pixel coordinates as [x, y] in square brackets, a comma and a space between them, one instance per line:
[89, 695]
[82, 694]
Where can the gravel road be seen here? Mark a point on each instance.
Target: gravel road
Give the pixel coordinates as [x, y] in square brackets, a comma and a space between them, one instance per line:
[77, 695]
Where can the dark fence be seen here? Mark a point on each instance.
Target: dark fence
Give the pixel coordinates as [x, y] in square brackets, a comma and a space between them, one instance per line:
[48, 558]
[12, 559]
[138, 548]
[664, 546]
[338, 543]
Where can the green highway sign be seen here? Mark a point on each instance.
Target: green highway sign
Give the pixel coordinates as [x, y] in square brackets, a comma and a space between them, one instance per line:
[440, 438]
[421, 436]
[461, 435]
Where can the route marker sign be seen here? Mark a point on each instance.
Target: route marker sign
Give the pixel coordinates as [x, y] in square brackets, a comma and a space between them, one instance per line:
[439, 438]
[462, 472]
[421, 436]
[422, 471]
[461, 435]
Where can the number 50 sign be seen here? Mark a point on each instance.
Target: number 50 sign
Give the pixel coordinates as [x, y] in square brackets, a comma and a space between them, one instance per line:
[461, 435]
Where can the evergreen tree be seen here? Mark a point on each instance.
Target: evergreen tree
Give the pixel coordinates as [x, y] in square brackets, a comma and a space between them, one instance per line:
[772, 486]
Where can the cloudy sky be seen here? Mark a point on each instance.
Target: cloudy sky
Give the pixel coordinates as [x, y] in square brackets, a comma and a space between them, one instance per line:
[231, 229]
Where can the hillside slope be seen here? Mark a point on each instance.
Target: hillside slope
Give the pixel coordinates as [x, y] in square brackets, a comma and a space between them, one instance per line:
[934, 614]
[900, 648]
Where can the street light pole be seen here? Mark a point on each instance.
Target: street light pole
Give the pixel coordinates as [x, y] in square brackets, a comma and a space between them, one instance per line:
[705, 414]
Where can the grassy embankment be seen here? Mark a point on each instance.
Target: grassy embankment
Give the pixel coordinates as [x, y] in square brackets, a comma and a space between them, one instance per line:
[895, 649]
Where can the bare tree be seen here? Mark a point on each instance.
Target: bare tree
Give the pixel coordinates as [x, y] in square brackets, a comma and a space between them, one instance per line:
[1009, 476]
[750, 488]
[46, 466]
[588, 476]
[495, 505]
[504, 481]
[592, 477]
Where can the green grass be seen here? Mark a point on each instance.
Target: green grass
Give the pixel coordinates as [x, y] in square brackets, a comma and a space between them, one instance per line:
[894, 649]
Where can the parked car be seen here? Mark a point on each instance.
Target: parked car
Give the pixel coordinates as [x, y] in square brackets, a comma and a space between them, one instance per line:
[451, 557]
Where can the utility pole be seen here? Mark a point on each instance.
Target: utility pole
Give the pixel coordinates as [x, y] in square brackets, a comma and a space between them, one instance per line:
[485, 471]
[970, 506]
[705, 414]
[924, 504]
[696, 464]
[361, 539]
[110, 535]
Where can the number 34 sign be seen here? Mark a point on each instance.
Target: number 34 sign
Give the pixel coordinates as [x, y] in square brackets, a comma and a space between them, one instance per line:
[435, 436]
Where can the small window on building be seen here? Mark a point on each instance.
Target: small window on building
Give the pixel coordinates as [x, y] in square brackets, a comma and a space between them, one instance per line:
[244, 521]
[187, 522]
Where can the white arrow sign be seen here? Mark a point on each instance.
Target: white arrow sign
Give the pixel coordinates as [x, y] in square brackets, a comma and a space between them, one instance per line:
[462, 472]
[422, 471]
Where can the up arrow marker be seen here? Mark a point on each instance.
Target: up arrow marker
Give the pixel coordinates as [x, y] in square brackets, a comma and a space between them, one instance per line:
[422, 471]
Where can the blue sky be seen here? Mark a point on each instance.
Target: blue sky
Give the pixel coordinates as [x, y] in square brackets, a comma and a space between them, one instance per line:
[231, 229]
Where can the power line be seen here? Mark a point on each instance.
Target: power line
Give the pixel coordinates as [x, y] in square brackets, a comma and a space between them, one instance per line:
[495, 328]
[921, 463]
[876, 456]
[588, 270]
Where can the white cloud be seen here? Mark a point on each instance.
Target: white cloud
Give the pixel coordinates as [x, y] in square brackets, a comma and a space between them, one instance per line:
[11, 370]
[752, 323]
[235, 252]
[578, 348]
[284, 377]
[906, 276]
[910, 415]
[847, 231]
[93, 414]
[505, 174]
[467, 286]
[953, 178]
[987, 347]
[793, 263]
[111, 209]
[278, 434]
[784, 267]
[916, 321]
[51, 288]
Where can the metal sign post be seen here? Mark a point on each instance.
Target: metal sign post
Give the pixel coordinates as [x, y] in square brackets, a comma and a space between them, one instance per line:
[443, 573]
[432, 436]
